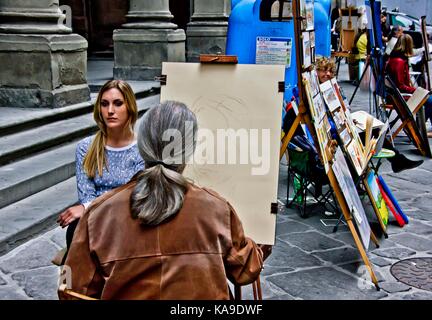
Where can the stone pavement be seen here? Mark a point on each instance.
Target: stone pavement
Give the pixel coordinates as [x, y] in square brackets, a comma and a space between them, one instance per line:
[309, 261]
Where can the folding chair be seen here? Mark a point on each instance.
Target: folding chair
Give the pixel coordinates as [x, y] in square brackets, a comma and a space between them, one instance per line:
[406, 110]
[301, 167]
[414, 103]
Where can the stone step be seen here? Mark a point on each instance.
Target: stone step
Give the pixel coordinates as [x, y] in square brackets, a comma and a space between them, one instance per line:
[23, 144]
[21, 179]
[23, 220]
[15, 120]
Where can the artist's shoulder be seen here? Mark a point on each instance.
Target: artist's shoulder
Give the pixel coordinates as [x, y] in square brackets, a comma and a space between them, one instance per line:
[205, 193]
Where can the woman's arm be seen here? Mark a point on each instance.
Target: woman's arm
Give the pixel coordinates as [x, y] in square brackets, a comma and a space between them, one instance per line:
[244, 260]
[81, 264]
[85, 186]
[397, 71]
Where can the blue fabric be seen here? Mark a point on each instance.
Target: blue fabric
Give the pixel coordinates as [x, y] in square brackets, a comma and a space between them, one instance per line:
[122, 165]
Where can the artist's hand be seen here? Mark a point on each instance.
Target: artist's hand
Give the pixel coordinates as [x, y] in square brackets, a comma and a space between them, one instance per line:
[70, 215]
[266, 250]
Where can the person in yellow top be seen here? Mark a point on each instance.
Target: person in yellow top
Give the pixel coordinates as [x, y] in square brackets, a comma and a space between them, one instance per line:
[361, 44]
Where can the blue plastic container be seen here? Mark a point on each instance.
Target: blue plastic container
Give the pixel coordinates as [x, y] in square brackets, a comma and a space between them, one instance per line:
[322, 28]
[245, 27]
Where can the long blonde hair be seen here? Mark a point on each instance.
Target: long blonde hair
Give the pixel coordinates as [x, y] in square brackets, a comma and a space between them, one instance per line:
[95, 158]
[404, 46]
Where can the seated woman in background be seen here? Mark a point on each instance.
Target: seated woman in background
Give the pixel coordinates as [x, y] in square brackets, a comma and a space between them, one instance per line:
[109, 159]
[398, 70]
[326, 71]
[160, 236]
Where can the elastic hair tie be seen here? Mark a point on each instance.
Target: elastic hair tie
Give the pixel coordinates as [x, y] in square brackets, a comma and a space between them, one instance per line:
[150, 164]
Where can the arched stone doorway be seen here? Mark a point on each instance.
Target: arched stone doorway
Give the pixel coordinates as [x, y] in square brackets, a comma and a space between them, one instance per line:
[96, 20]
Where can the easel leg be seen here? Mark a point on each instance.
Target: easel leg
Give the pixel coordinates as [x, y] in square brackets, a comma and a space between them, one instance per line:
[363, 253]
[358, 85]
[286, 140]
[374, 239]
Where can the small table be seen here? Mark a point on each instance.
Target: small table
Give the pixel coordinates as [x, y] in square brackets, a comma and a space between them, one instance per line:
[383, 154]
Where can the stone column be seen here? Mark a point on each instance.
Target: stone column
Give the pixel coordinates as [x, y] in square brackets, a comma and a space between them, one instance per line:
[207, 31]
[147, 40]
[42, 64]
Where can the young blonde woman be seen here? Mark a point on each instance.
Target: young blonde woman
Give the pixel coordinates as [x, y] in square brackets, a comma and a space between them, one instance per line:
[110, 158]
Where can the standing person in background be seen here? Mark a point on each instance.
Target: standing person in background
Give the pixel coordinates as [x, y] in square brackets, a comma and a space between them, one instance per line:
[385, 27]
[161, 236]
[109, 159]
[361, 44]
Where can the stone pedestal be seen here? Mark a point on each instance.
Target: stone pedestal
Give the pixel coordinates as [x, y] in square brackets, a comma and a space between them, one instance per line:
[42, 65]
[147, 40]
[207, 31]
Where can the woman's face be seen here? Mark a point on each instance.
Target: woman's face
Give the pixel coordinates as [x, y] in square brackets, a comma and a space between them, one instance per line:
[113, 109]
[324, 74]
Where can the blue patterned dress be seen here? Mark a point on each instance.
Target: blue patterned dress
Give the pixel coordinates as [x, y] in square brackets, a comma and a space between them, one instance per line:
[123, 164]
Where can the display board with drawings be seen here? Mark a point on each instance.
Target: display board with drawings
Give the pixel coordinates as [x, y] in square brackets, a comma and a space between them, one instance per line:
[329, 93]
[310, 114]
[340, 114]
[308, 32]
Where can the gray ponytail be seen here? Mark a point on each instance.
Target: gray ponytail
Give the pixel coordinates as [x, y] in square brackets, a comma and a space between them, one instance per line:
[166, 139]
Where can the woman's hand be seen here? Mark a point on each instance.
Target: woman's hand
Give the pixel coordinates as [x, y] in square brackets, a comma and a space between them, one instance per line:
[70, 215]
[266, 250]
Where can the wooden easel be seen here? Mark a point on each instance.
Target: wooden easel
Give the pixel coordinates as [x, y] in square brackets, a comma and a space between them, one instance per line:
[303, 117]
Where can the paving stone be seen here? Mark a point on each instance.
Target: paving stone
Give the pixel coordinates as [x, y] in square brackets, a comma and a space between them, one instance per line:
[394, 287]
[311, 241]
[345, 237]
[380, 262]
[291, 226]
[2, 281]
[59, 237]
[11, 293]
[331, 284]
[418, 176]
[394, 253]
[338, 256]
[285, 258]
[40, 284]
[36, 255]
[358, 269]
[418, 212]
[419, 228]
[425, 295]
[269, 291]
[413, 242]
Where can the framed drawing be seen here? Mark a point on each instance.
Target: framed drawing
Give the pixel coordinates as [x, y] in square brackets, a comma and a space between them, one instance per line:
[307, 56]
[376, 198]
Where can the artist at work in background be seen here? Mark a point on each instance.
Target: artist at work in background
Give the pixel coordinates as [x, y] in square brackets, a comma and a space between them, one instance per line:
[398, 69]
[160, 236]
[326, 69]
[109, 159]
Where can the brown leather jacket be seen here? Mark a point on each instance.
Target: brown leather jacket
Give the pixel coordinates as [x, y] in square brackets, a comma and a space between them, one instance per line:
[188, 257]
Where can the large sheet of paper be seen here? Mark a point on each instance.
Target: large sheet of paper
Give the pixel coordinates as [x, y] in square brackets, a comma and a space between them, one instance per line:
[242, 101]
